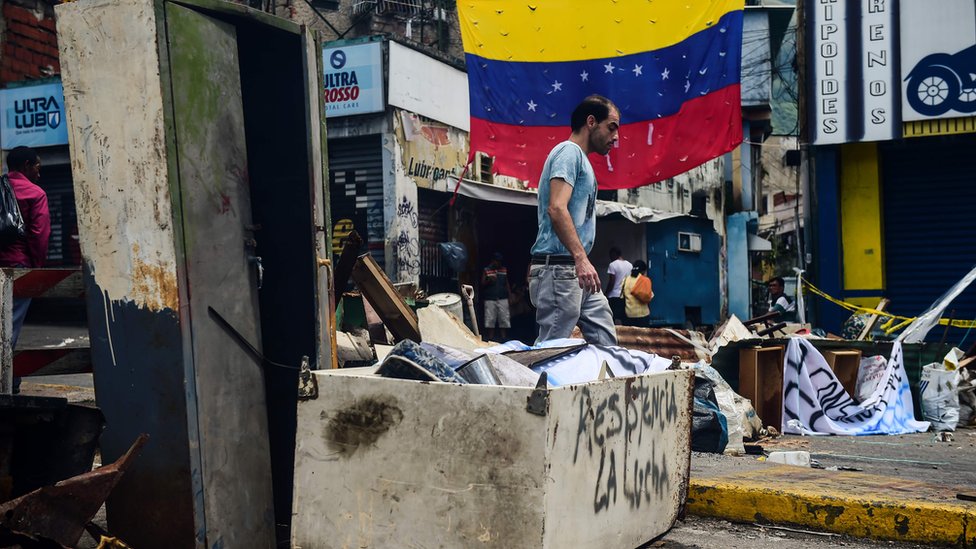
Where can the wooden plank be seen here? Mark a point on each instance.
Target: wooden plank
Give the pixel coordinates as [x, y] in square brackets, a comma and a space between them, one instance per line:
[379, 291]
[869, 325]
[347, 260]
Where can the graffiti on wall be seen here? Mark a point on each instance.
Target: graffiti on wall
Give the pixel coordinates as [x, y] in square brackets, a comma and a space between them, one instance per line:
[621, 436]
[406, 248]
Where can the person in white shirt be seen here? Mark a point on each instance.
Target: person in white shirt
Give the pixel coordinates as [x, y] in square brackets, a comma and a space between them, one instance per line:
[618, 270]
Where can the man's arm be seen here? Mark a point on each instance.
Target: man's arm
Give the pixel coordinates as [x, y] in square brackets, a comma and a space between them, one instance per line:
[559, 193]
[610, 282]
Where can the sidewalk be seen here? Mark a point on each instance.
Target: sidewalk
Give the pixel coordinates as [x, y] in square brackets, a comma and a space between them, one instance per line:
[900, 488]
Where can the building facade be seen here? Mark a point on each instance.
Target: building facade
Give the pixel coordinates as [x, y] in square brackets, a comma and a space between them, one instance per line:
[891, 98]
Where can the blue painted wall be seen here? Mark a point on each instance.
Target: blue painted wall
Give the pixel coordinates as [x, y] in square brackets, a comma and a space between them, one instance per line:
[826, 272]
[737, 245]
[683, 279]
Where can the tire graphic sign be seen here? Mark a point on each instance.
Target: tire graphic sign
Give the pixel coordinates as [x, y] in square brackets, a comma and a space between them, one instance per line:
[938, 59]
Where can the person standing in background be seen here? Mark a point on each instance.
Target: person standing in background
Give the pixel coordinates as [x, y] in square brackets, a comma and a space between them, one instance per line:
[638, 293]
[30, 251]
[496, 294]
[618, 270]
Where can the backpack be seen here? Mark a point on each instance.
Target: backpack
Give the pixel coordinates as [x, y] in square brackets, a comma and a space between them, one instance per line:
[11, 222]
[641, 290]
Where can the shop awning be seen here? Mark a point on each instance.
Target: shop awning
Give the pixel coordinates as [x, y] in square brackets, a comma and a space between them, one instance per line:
[635, 214]
[493, 193]
[604, 208]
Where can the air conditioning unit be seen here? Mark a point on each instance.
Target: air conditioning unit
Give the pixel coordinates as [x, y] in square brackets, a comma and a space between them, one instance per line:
[481, 168]
[689, 242]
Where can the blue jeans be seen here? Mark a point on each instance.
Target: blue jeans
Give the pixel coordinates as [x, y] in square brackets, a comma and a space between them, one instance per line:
[561, 304]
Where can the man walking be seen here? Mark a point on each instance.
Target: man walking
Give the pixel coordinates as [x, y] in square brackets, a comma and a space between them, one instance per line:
[563, 284]
[618, 270]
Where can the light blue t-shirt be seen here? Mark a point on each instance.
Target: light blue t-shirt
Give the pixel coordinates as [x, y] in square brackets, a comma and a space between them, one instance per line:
[567, 161]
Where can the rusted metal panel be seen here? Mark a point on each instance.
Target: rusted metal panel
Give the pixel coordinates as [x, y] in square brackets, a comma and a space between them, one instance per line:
[395, 463]
[689, 345]
[59, 513]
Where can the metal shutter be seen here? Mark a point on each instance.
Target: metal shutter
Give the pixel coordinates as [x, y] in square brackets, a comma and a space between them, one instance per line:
[356, 188]
[63, 249]
[929, 190]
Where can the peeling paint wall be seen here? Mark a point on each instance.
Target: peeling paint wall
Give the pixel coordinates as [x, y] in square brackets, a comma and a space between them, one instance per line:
[675, 194]
[114, 108]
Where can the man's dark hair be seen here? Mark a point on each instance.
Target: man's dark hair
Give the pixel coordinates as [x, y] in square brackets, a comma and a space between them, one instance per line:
[778, 280]
[18, 157]
[614, 253]
[597, 105]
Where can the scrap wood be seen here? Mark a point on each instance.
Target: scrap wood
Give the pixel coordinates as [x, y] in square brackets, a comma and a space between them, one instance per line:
[351, 245]
[60, 512]
[873, 319]
[388, 303]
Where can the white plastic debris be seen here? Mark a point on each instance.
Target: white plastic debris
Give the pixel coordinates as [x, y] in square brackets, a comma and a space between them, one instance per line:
[797, 458]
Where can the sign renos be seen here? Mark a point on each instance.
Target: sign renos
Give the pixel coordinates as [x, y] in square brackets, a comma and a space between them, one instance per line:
[33, 116]
[353, 79]
[938, 59]
[852, 78]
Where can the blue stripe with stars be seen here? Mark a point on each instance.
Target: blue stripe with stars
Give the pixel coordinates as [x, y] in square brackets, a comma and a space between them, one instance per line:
[644, 86]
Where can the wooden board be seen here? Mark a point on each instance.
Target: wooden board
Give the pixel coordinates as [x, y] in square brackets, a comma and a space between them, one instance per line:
[845, 364]
[761, 381]
[379, 291]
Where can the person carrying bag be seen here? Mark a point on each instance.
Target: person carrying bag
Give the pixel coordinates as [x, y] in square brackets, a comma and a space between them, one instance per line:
[638, 293]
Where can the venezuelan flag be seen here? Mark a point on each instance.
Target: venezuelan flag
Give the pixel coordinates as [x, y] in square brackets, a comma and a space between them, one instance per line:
[672, 67]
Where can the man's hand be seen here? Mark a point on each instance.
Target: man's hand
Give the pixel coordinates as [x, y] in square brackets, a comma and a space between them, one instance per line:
[589, 279]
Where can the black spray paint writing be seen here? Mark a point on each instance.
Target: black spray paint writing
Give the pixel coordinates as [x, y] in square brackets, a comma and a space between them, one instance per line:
[406, 247]
[611, 431]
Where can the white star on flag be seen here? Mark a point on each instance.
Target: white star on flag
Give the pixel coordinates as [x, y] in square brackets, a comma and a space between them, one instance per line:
[584, 75]
[557, 86]
[665, 74]
[532, 105]
[637, 70]
[608, 68]
[687, 85]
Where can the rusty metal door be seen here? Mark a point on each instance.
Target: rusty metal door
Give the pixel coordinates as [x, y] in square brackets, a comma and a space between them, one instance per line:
[231, 468]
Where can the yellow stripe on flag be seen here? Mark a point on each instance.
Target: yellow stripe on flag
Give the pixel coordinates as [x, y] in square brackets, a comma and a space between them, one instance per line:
[575, 30]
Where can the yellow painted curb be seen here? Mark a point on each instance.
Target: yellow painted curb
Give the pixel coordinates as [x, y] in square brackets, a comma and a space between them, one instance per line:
[856, 504]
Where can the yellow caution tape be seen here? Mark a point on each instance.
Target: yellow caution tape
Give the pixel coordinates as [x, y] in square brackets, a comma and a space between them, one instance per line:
[890, 325]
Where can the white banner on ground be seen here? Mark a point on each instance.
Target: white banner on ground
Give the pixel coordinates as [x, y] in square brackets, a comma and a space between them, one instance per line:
[815, 402]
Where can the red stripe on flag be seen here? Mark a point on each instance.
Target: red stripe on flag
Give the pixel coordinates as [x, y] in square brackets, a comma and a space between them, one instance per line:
[648, 151]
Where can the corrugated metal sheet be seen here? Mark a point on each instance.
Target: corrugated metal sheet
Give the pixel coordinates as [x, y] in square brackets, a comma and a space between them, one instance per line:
[929, 224]
[665, 342]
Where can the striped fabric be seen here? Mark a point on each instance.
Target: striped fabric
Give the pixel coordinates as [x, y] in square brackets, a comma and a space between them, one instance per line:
[671, 67]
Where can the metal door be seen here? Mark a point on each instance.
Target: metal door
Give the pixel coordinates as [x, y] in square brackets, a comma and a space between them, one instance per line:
[231, 470]
[318, 160]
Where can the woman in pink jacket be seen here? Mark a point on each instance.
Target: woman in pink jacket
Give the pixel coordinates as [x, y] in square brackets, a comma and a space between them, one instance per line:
[24, 171]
